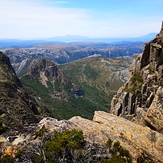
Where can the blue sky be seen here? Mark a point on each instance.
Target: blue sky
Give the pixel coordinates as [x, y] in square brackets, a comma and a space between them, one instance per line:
[31, 19]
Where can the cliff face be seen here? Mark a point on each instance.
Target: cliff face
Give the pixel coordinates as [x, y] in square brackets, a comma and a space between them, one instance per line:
[50, 76]
[141, 98]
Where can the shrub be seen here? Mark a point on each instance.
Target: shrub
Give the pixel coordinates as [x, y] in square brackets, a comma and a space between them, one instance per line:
[41, 132]
[117, 151]
[3, 128]
[63, 144]
[109, 143]
[6, 159]
[132, 89]
[137, 77]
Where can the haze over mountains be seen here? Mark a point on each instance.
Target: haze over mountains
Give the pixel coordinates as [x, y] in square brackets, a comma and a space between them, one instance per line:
[21, 43]
[64, 53]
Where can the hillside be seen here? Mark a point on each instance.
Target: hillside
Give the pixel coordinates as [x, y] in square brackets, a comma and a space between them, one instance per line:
[17, 107]
[99, 77]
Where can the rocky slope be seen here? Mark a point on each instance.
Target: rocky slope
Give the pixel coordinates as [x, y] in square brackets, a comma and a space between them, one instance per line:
[140, 99]
[17, 107]
[143, 143]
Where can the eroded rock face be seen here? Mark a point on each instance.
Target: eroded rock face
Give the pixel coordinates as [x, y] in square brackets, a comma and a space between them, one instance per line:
[45, 69]
[50, 76]
[137, 139]
[140, 99]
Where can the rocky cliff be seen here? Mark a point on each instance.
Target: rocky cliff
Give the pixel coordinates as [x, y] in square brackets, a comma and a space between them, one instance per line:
[17, 107]
[48, 74]
[141, 98]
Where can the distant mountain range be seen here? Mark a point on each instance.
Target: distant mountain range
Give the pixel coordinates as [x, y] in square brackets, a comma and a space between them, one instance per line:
[20, 43]
[68, 52]
[75, 38]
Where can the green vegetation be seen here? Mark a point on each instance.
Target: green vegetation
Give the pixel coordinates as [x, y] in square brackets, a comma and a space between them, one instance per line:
[151, 70]
[92, 75]
[89, 74]
[132, 89]
[3, 128]
[137, 78]
[7, 159]
[63, 145]
[160, 60]
[119, 154]
[69, 146]
[41, 132]
[65, 109]
[137, 82]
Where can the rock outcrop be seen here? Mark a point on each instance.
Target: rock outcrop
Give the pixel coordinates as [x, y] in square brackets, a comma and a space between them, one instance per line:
[141, 98]
[45, 69]
[140, 141]
[50, 76]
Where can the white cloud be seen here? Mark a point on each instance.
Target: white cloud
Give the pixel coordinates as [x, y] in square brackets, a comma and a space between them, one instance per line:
[35, 19]
[34, 15]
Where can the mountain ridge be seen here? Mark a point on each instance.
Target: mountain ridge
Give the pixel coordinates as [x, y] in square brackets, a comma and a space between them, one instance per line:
[64, 53]
[17, 107]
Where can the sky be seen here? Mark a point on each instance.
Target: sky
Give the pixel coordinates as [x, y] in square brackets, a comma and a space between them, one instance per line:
[35, 19]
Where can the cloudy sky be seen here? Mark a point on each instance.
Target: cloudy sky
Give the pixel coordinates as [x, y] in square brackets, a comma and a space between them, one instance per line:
[31, 19]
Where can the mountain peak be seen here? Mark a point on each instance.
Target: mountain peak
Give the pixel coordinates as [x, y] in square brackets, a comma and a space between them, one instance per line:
[45, 69]
[49, 75]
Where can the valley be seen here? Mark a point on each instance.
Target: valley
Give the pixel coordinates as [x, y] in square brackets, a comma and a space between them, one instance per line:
[98, 77]
[72, 110]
